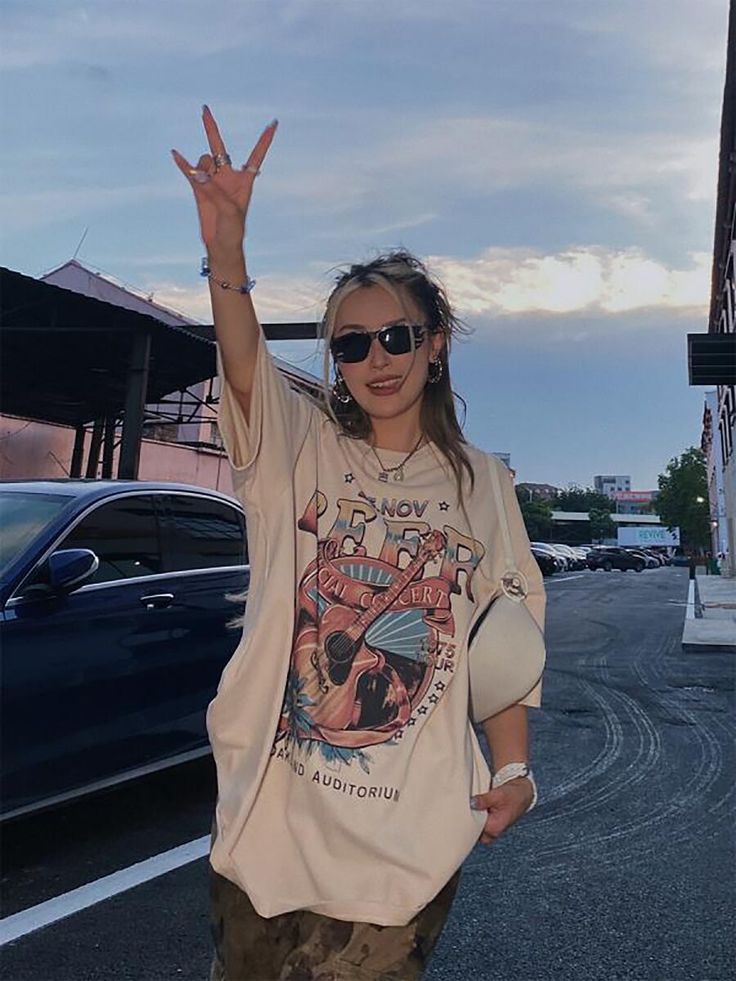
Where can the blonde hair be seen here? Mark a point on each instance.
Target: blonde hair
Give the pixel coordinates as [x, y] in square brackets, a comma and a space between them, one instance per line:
[402, 274]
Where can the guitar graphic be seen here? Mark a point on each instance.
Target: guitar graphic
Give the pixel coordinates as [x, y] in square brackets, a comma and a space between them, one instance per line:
[346, 681]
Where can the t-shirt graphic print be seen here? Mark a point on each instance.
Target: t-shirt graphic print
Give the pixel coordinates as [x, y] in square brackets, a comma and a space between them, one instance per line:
[373, 637]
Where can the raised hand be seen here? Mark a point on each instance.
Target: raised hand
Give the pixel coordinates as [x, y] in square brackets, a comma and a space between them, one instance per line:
[222, 192]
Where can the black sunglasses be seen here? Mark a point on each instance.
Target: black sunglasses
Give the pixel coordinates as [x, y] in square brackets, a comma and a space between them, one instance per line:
[354, 346]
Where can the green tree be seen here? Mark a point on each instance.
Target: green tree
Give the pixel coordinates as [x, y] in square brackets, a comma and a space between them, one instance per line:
[601, 523]
[599, 507]
[537, 516]
[582, 499]
[683, 498]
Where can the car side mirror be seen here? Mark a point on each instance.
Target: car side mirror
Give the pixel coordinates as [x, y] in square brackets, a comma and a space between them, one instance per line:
[69, 568]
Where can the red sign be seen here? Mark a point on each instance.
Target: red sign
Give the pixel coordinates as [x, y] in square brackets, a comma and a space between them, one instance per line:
[640, 496]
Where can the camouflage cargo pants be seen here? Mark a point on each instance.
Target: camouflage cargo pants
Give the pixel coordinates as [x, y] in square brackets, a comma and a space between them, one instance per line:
[306, 946]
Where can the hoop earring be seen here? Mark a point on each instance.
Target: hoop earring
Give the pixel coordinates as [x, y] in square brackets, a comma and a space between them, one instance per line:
[434, 373]
[340, 390]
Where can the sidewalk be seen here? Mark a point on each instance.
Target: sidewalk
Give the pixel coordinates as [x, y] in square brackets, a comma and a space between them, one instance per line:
[713, 628]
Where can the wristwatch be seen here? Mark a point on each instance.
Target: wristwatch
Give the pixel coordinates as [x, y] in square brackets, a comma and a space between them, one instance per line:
[510, 772]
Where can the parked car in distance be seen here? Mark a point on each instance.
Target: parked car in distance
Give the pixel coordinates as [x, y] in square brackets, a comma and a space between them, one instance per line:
[575, 561]
[608, 557]
[114, 624]
[559, 560]
[658, 555]
[651, 561]
[681, 559]
[545, 561]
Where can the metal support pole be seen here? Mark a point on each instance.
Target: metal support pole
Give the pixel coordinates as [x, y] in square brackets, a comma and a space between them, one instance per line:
[94, 449]
[108, 447]
[135, 400]
[75, 469]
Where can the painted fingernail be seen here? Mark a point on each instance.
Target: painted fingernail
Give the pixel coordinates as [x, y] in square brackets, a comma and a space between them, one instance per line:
[274, 122]
[474, 803]
[200, 177]
[205, 108]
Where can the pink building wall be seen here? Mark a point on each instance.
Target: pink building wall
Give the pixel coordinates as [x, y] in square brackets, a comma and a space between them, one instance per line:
[31, 449]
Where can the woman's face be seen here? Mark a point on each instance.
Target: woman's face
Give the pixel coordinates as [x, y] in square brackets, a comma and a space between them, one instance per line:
[385, 385]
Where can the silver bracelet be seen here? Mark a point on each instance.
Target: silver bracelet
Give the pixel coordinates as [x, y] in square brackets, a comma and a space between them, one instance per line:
[223, 283]
[510, 772]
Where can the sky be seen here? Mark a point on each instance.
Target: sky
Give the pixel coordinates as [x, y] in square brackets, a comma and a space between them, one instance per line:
[555, 164]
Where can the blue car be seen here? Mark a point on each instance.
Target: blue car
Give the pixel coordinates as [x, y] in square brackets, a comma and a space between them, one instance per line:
[115, 624]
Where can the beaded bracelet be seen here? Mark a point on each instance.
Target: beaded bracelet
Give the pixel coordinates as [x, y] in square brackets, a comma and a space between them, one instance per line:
[207, 272]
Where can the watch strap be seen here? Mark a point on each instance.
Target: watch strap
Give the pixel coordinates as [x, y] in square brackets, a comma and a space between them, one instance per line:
[511, 771]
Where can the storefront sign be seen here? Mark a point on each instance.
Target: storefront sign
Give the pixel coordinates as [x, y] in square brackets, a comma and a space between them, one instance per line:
[648, 536]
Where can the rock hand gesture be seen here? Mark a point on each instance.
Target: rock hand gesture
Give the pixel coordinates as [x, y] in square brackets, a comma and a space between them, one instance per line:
[222, 192]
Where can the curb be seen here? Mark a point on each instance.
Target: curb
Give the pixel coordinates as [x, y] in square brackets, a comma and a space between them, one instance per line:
[716, 644]
[693, 648]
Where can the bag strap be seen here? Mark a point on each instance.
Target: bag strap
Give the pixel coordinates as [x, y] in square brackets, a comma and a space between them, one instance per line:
[502, 516]
[513, 581]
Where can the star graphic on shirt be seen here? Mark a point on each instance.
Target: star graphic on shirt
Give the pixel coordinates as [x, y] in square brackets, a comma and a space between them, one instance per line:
[444, 506]
[434, 699]
[422, 710]
[440, 685]
[399, 734]
[349, 478]
[412, 721]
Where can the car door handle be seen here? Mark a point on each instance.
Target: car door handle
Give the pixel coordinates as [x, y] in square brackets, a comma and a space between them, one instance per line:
[157, 601]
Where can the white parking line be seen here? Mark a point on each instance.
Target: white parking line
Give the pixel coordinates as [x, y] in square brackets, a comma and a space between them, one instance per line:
[567, 578]
[36, 917]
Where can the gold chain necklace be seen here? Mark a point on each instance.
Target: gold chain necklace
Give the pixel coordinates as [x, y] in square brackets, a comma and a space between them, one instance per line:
[397, 471]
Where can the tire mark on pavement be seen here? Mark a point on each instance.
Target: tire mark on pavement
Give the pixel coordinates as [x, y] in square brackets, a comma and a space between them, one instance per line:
[681, 811]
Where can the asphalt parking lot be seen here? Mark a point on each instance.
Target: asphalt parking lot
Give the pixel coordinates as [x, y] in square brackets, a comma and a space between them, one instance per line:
[625, 870]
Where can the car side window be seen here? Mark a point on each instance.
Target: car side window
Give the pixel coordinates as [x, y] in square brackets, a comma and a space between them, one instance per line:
[204, 533]
[124, 536]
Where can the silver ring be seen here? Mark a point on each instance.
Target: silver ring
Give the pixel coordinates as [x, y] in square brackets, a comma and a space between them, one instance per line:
[250, 169]
[221, 160]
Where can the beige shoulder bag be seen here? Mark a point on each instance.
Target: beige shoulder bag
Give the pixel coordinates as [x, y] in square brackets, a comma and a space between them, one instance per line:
[506, 653]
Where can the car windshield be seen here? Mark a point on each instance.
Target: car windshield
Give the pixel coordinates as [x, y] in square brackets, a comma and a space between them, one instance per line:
[23, 515]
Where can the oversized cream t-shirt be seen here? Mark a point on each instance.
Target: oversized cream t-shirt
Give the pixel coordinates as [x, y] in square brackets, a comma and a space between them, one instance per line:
[345, 756]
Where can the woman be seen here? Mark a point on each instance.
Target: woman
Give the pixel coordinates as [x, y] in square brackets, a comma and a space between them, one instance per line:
[350, 782]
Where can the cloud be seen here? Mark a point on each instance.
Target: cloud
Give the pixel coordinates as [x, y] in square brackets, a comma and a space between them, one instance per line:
[422, 161]
[279, 298]
[427, 167]
[488, 154]
[609, 281]
[502, 283]
[672, 33]
[39, 32]
[32, 209]
[675, 34]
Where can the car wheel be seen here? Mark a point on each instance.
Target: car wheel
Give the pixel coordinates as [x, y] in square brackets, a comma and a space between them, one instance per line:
[607, 566]
[639, 566]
